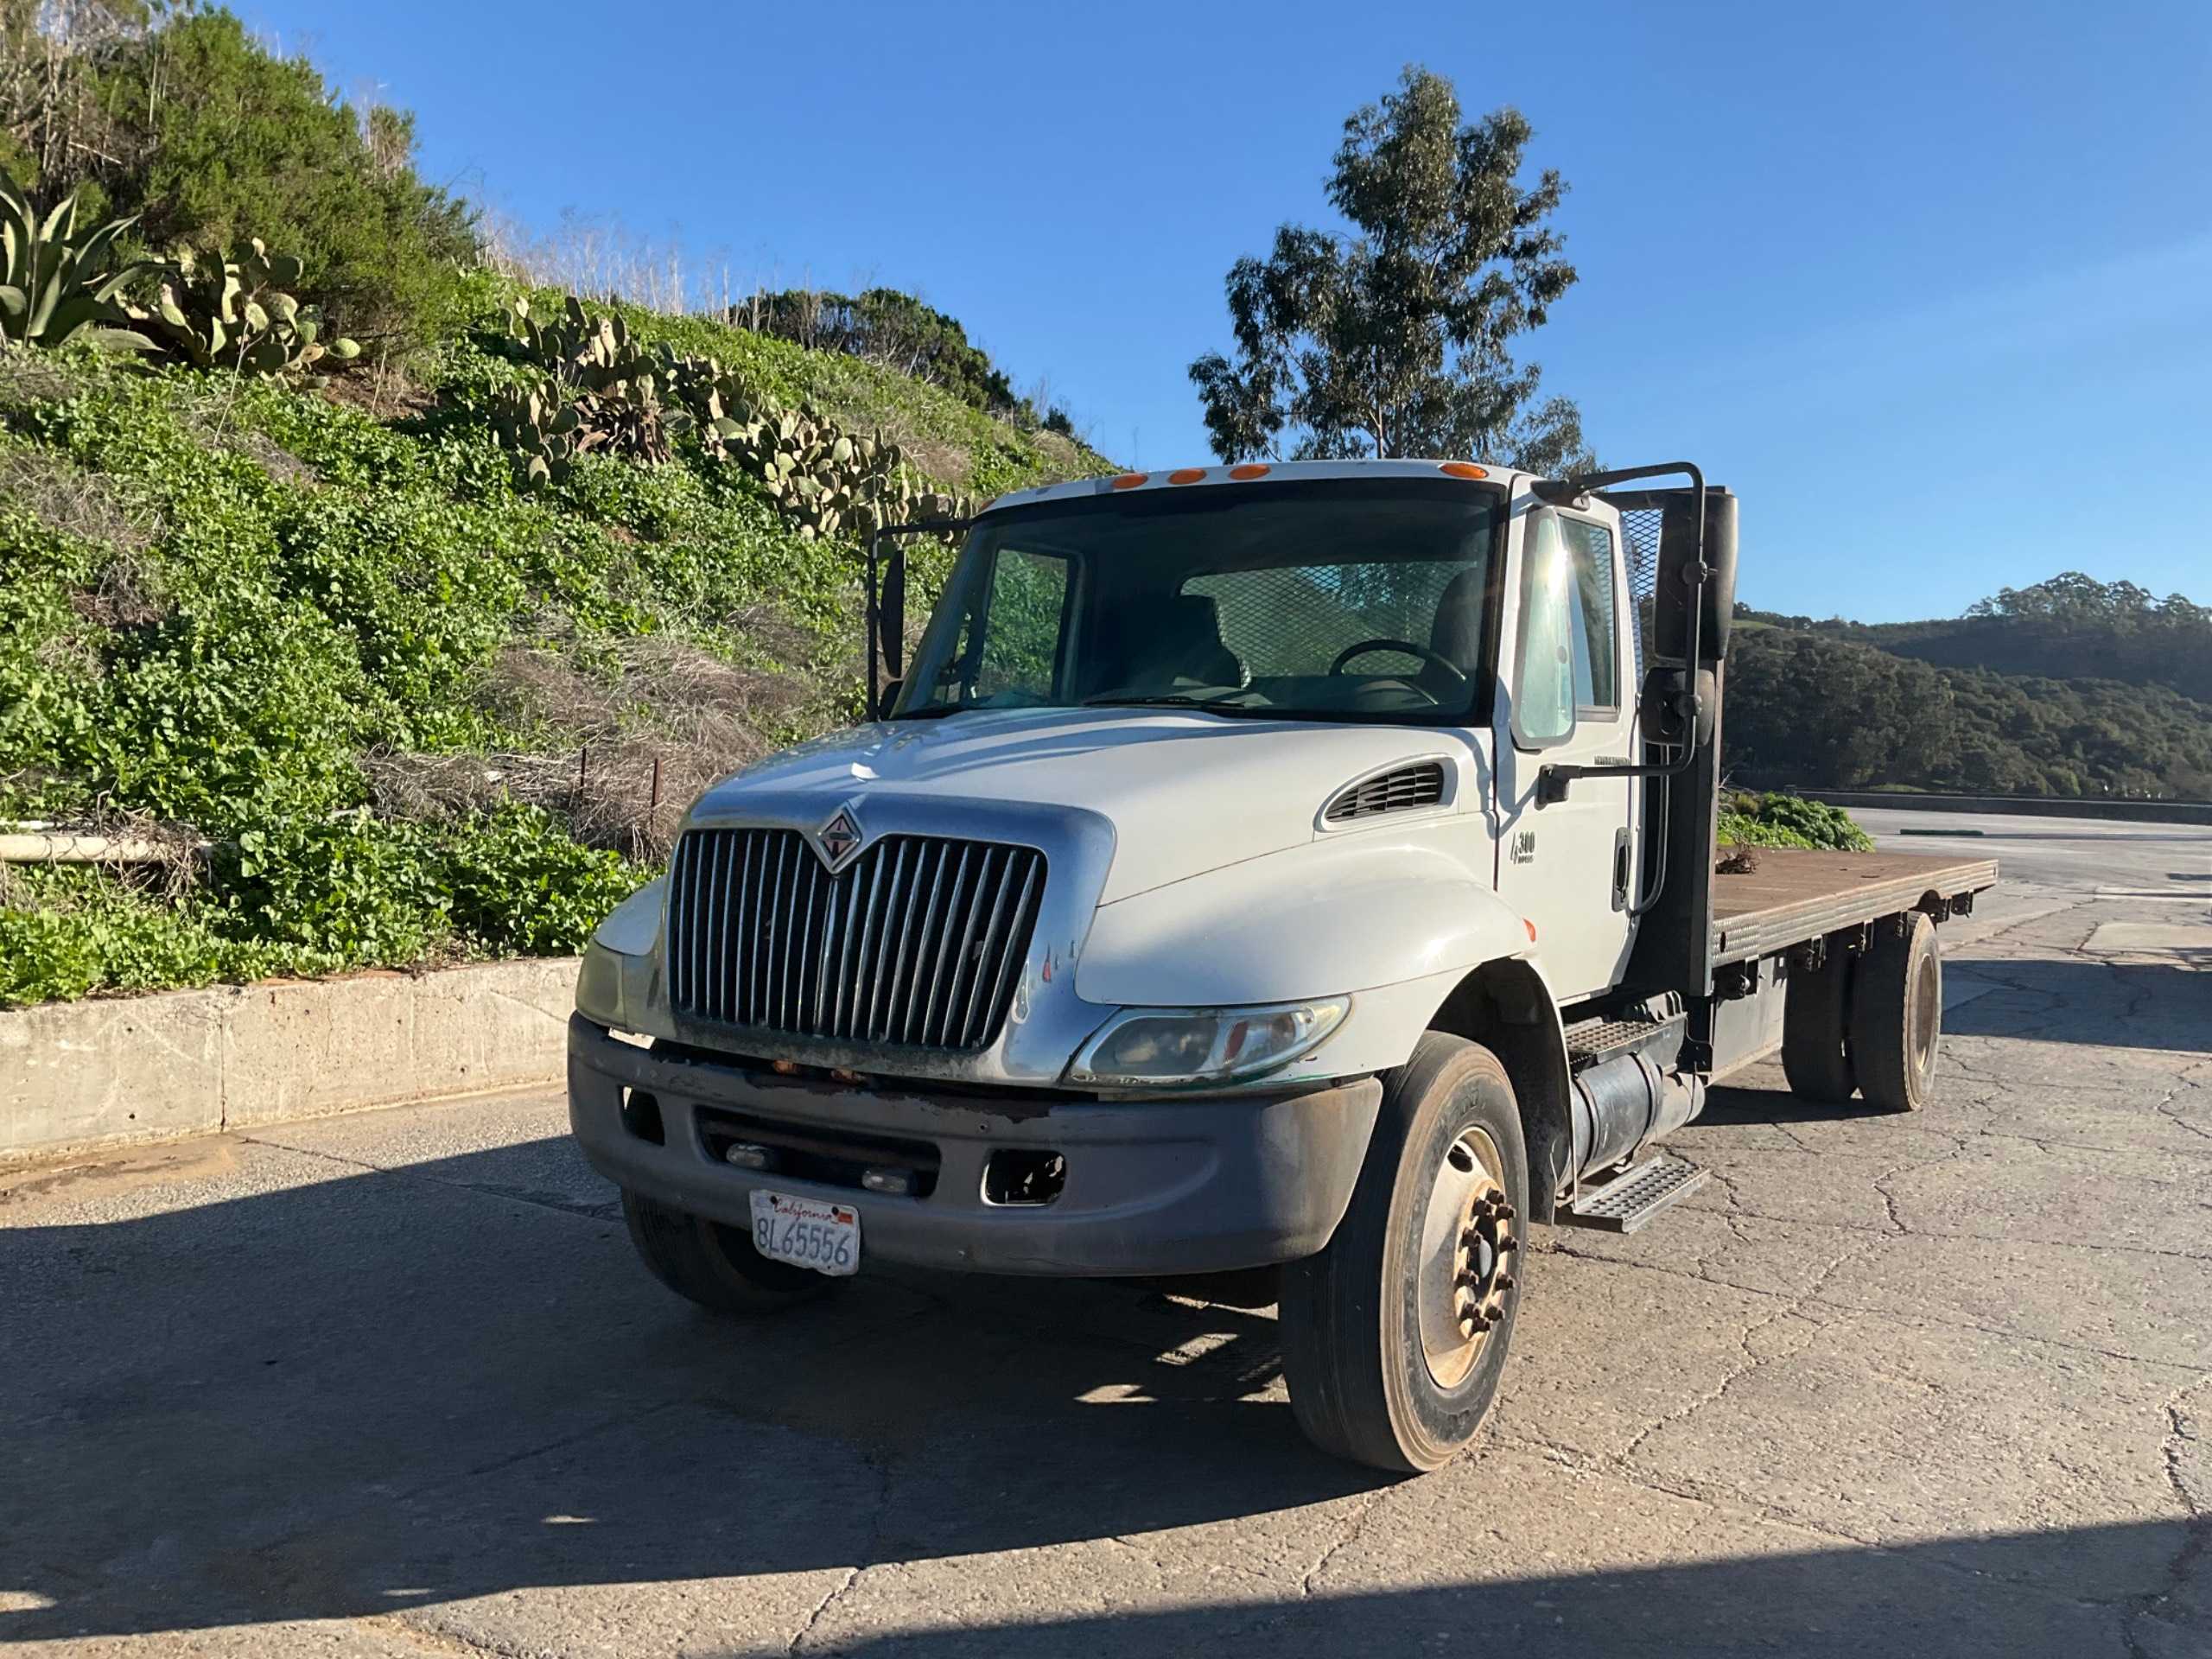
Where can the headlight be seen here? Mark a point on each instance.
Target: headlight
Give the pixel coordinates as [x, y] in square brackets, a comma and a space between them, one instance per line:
[611, 982]
[1171, 1045]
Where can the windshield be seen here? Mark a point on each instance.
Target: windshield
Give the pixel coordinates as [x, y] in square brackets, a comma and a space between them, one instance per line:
[1355, 598]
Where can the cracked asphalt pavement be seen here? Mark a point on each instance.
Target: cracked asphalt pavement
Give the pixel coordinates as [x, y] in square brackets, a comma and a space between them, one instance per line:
[393, 1385]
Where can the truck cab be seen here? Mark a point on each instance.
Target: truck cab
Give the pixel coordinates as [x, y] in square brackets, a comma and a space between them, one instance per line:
[1292, 882]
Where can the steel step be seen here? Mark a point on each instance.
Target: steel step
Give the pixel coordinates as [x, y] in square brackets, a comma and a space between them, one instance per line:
[1592, 1042]
[1631, 1198]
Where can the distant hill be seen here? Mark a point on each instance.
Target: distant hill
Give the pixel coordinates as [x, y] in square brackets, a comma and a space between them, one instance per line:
[2070, 628]
[2070, 687]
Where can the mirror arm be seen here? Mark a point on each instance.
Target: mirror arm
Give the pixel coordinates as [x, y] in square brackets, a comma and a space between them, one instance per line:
[1553, 781]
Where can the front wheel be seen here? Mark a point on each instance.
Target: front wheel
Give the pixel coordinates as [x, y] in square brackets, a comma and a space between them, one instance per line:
[713, 1265]
[1395, 1335]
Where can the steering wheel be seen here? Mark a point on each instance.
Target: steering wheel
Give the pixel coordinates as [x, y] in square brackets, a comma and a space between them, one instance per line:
[1408, 647]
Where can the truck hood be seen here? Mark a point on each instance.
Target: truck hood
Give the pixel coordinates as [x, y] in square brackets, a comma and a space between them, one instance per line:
[1186, 792]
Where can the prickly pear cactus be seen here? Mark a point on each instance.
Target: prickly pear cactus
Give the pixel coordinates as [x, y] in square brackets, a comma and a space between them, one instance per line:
[234, 311]
[614, 387]
[540, 432]
[626, 399]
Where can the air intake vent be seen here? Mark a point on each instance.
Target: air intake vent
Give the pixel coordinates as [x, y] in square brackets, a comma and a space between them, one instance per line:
[919, 941]
[1390, 791]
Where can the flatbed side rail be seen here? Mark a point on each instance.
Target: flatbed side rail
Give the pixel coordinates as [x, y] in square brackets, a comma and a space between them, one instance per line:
[1747, 927]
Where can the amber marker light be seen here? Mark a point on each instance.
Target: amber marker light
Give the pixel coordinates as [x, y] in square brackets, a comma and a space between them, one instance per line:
[1186, 475]
[1464, 470]
[1248, 471]
[1130, 480]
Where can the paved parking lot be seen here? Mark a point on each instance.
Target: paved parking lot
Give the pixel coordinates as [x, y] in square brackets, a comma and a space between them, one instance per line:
[393, 1385]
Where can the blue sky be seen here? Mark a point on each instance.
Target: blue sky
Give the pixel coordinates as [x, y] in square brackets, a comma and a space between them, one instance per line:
[1930, 285]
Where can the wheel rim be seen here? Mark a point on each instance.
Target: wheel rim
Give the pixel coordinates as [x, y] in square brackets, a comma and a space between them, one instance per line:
[1468, 1238]
[1927, 1016]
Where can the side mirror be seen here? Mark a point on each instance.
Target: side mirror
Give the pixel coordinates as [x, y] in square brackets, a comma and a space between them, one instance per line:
[886, 617]
[888, 698]
[1677, 548]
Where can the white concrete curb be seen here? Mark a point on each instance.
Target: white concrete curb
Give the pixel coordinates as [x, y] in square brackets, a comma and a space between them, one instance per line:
[80, 1076]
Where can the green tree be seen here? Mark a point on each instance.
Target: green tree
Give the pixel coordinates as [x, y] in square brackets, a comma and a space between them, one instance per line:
[180, 118]
[1395, 339]
[51, 122]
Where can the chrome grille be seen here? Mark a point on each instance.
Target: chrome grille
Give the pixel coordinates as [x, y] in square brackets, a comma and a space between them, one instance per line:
[917, 941]
[1392, 791]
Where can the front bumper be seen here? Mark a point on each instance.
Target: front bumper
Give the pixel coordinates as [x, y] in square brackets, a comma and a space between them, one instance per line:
[1190, 1186]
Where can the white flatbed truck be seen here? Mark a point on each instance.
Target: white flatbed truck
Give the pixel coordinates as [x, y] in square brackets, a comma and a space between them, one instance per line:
[1288, 882]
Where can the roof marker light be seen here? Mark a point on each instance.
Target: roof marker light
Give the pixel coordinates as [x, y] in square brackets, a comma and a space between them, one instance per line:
[1464, 470]
[1251, 469]
[1186, 475]
[1130, 480]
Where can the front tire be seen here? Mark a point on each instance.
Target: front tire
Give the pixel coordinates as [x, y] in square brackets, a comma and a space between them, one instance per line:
[716, 1266]
[1897, 1015]
[1395, 1335]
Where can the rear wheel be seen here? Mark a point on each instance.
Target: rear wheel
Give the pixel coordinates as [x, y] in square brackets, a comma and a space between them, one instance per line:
[1395, 1335]
[713, 1265]
[1816, 1031]
[1896, 1015]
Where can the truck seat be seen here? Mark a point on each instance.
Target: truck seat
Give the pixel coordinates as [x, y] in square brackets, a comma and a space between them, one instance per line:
[1456, 635]
[1183, 647]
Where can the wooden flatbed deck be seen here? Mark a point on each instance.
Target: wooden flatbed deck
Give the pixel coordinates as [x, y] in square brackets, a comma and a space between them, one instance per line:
[1795, 893]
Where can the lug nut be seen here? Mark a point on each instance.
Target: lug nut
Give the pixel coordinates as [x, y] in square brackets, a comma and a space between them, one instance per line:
[1507, 1242]
[1505, 1282]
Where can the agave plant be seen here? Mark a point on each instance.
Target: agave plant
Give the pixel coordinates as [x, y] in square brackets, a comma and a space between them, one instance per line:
[59, 285]
[234, 312]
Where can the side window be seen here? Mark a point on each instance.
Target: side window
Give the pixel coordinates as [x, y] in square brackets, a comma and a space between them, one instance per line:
[1597, 651]
[1545, 692]
[1021, 639]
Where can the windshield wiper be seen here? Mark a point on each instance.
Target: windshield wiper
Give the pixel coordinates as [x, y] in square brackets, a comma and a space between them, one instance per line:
[1167, 699]
[934, 711]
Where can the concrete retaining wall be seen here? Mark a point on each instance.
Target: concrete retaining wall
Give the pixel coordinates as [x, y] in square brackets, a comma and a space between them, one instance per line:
[84, 1075]
[2033, 806]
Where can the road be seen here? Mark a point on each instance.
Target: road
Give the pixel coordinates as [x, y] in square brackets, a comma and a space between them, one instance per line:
[393, 1385]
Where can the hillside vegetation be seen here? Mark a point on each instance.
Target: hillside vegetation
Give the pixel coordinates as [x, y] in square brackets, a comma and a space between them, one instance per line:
[408, 648]
[421, 710]
[2069, 688]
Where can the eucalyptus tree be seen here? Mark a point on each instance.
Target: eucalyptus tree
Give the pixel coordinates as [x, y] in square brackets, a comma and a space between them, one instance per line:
[1394, 337]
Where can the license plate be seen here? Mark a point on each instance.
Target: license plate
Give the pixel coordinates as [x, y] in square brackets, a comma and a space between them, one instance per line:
[807, 1232]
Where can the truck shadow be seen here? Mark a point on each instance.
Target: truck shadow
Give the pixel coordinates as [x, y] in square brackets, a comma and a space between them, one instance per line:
[400, 1387]
[377, 1391]
[1829, 1604]
[1732, 1105]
